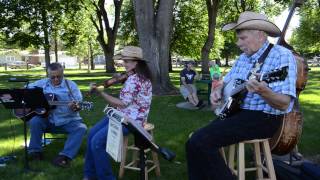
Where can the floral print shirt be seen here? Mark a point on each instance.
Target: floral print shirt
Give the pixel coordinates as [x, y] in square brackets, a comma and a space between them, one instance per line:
[136, 94]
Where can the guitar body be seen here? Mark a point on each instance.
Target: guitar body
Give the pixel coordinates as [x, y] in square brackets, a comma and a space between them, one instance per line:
[29, 113]
[53, 102]
[231, 102]
[51, 98]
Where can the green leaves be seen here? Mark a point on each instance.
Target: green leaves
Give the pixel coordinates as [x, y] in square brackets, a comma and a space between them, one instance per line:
[306, 37]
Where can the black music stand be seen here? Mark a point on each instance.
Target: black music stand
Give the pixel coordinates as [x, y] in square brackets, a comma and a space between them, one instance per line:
[22, 99]
[143, 143]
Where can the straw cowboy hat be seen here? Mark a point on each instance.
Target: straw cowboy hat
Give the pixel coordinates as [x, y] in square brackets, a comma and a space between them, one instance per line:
[130, 53]
[254, 21]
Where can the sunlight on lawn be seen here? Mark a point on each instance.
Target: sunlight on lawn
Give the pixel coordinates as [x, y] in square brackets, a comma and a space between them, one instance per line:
[173, 126]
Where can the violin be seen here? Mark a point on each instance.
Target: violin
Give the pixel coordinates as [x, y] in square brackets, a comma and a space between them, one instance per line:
[117, 79]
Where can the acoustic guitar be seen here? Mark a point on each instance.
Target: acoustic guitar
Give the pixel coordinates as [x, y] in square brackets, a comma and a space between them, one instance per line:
[28, 113]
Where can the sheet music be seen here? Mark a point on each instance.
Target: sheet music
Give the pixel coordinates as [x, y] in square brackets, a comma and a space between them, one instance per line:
[114, 139]
[111, 112]
[115, 136]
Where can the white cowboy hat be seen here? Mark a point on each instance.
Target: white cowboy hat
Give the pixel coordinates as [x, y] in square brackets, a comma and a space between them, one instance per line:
[130, 53]
[254, 21]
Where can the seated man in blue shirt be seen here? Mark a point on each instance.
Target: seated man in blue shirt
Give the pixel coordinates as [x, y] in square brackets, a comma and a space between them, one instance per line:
[262, 108]
[63, 118]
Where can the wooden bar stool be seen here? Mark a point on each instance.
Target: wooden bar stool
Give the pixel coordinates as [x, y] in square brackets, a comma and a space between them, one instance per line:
[151, 164]
[259, 168]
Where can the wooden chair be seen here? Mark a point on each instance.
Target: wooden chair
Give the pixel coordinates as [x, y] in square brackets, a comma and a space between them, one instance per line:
[151, 164]
[259, 167]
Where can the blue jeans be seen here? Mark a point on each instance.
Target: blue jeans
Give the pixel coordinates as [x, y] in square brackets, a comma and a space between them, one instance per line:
[74, 129]
[202, 149]
[97, 163]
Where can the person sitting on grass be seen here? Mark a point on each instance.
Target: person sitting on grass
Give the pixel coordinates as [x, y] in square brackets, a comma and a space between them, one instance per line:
[187, 88]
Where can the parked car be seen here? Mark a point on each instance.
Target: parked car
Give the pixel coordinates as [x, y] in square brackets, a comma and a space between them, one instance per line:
[20, 65]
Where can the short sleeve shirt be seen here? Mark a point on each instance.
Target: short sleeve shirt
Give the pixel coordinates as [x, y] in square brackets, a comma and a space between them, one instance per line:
[188, 75]
[136, 93]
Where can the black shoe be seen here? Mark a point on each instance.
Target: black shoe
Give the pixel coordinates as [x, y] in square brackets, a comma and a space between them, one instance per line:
[36, 156]
[61, 161]
[200, 103]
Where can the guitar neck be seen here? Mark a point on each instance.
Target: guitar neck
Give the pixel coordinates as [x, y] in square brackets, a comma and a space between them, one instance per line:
[239, 88]
[58, 103]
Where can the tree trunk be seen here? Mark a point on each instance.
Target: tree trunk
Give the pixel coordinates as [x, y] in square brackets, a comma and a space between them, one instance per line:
[46, 37]
[212, 7]
[91, 56]
[79, 61]
[56, 45]
[102, 26]
[154, 26]
[227, 61]
[170, 63]
[218, 62]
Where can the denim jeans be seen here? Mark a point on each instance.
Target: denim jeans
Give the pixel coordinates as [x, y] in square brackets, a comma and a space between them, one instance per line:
[97, 162]
[202, 149]
[74, 129]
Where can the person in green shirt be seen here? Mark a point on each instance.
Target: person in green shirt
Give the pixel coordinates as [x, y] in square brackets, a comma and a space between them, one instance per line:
[214, 69]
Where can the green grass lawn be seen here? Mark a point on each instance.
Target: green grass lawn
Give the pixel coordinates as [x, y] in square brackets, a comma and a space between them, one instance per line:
[173, 125]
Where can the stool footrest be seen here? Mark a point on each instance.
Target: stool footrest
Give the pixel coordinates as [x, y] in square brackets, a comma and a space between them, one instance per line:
[259, 144]
[150, 164]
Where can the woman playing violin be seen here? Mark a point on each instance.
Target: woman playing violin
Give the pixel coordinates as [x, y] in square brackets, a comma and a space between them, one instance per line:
[134, 101]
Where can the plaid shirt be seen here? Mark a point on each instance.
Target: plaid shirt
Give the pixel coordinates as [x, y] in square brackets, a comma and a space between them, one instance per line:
[278, 57]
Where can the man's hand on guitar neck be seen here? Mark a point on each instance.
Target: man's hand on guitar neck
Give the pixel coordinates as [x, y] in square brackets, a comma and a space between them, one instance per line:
[255, 86]
[275, 100]
[74, 106]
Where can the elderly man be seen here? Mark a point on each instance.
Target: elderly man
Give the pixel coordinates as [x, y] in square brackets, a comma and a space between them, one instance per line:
[263, 105]
[62, 118]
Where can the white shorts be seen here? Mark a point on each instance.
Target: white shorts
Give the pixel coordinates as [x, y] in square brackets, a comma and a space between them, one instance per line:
[185, 92]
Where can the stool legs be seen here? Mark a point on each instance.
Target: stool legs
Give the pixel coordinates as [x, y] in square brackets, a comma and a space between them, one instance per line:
[156, 163]
[259, 168]
[134, 164]
[124, 156]
[241, 165]
[258, 160]
[267, 154]
[231, 158]
[221, 150]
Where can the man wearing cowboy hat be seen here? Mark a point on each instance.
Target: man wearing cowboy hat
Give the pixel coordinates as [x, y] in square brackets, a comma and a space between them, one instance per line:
[262, 107]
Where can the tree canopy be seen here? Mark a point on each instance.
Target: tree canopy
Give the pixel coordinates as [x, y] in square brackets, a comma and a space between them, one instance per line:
[306, 37]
